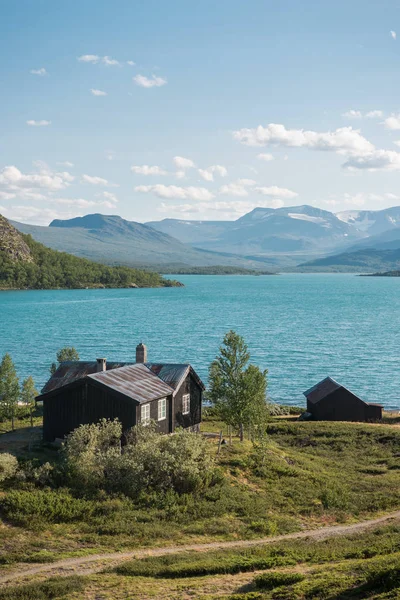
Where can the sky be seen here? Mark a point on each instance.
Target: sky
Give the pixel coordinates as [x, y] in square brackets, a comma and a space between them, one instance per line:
[197, 110]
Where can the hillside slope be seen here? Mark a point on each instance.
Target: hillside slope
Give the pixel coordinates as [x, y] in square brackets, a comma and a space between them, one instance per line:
[27, 264]
[366, 260]
[113, 240]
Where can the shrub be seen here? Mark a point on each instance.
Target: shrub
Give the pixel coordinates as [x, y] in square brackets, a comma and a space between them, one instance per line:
[8, 466]
[149, 462]
[269, 581]
[30, 507]
[56, 587]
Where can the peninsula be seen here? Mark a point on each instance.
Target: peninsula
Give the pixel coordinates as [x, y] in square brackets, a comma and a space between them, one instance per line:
[27, 264]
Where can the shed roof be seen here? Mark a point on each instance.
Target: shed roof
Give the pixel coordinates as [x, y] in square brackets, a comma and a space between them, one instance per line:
[321, 389]
[327, 386]
[136, 381]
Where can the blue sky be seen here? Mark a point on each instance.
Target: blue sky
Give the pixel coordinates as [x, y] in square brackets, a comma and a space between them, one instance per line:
[229, 105]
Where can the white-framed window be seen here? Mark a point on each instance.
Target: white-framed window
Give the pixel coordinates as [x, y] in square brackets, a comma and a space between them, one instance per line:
[162, 409]
[145, 414]
[185, 404]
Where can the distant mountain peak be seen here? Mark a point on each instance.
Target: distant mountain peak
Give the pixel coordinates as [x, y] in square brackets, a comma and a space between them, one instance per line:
[94, 221]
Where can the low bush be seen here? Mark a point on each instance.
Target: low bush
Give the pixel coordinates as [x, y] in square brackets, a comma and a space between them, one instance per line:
[148, 462]
[31, 508]
[269, 581]
[8, 466]
[56, 587]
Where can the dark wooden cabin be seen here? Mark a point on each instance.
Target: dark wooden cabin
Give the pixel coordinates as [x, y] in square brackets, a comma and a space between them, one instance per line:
[330, 401]
[83, 392]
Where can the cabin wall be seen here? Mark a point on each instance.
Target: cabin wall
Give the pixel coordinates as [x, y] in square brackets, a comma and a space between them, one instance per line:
[163, 425]
[340, 405]
[82, 404]
[193, 419]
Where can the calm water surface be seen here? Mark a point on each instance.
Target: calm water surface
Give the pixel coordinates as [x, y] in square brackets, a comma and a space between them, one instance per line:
[301, 327]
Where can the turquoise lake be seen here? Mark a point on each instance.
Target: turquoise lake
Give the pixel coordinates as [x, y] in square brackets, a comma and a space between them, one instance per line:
[302, 327]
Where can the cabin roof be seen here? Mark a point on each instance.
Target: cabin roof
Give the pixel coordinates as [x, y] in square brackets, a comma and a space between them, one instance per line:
[321, 389]
[72, 370]
[132, 379]
[136, 381]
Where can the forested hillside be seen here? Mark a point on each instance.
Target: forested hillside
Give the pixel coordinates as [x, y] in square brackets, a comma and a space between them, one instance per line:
[26, 264]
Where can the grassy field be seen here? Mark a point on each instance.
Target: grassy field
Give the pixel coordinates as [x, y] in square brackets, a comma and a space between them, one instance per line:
[307, 475]
[358, 566]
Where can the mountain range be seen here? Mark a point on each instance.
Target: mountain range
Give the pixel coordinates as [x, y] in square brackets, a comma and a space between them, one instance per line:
[265, 238]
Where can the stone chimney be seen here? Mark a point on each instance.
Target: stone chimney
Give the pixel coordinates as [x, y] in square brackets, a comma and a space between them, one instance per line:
[101, 365]
[141, 353]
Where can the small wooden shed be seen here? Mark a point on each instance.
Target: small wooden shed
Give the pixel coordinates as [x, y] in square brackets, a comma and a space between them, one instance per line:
[328, 400]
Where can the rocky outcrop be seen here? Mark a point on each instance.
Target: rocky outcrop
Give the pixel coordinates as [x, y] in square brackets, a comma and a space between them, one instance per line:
[12, 244]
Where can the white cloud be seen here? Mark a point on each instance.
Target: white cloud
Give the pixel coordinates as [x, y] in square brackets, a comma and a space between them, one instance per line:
[183, 163]
[393, 34]
[174, 191]
[98, 92]
[147, 82]
[94, 59]
[377, 160]
[109, 62]
[41, 72]
[374, 114]
[353, 114]
[208, 174]
[357, 114]
[130, 63]
[80, 202]
[148, 170]
[342, 140]
[93, 180]
[89, 58]
[237, 188]
[265, 156]
[223, 209]
[14, 180]
[34, 123]
[6, 195]
[393, 122]
[397, 142]
[276, 192]
[66, 163]
[180, 174]
[110, 196]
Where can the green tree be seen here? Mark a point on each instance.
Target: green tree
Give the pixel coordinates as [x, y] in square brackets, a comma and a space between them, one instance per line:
[64, 354]
[9, 389]
[28, 395]
[238, 391]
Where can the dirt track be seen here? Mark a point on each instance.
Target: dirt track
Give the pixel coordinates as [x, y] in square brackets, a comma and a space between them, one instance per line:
[86, 565]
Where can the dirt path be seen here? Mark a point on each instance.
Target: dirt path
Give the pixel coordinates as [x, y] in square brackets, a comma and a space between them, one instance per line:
[86, 565]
